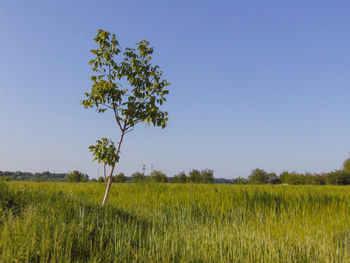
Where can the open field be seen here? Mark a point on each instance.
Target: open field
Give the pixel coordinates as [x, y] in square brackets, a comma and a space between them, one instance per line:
[64, 222]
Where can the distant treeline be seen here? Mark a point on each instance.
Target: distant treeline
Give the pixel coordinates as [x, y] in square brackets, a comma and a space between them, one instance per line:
[194, 176]
[337, 177]
[257, 176]
[36, 177]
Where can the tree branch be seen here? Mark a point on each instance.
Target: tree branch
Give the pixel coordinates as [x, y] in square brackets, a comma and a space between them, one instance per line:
[117, 118]
[110, 107]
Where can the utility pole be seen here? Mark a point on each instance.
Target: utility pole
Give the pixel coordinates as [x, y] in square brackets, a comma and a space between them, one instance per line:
[151, 167]
[143, 169]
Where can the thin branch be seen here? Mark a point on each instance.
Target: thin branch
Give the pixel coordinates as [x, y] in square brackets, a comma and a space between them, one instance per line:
[127, 131]
[117, 118]
[110, 107]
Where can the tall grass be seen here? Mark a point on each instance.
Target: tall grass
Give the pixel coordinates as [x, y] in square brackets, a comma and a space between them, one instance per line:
[63, 222]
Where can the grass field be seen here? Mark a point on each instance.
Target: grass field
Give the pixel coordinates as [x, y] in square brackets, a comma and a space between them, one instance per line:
[64, 222]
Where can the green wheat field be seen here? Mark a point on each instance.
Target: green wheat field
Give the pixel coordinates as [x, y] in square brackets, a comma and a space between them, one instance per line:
[64, 222]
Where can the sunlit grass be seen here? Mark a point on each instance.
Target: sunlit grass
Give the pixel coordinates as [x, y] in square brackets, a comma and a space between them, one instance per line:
[64, 222]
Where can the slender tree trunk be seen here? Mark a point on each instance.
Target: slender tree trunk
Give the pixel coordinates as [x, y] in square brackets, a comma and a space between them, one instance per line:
[104, 172]
[109, 181]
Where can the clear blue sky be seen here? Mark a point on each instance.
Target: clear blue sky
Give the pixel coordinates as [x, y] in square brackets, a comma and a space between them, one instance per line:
[253, 84]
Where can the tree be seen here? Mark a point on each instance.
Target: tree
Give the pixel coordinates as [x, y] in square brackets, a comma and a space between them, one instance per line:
[240, 180]
[207, 176]
[139, 98]
[138, 177]
[342, 178]
[76, 176]
[346, 166]
[120, 178]
[158, 177]
[258, 176]
[100, 179]
[319, 179]
[194, 176]
[180, 178]
[272, 178]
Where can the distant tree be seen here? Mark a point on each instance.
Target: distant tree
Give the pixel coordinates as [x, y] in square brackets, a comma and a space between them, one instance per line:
[292, 178]
[319, 179]
[93, 180]
[272, 178]
[76, 176]
[240, 180]
[194, 176]
[100, 179]
[308, 178]
[258, 176]
[346, 166]
[342, 178]
[138, 177]
[128, 85]
[158, 177]
[180, 178]
[120, 178]
[207, 176]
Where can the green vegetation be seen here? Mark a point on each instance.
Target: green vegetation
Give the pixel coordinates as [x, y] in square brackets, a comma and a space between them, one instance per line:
[76, 177]
[37, 177]
[138, 99]
[64, 222]
[138, 177]
[194, 176]
[337, 177]
[120, 178]
[256, 177]
[346, 166]
[259, 176]
[158, 177]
